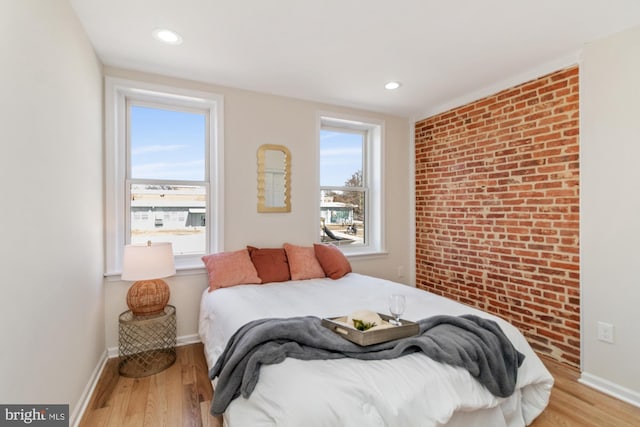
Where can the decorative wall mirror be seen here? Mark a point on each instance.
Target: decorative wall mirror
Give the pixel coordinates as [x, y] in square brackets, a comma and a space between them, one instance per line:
[274, 178]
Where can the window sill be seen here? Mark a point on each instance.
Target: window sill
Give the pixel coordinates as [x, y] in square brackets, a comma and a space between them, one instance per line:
[366, 254]
[184, 270]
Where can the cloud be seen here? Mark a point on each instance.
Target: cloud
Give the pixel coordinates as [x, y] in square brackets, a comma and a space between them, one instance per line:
[191, 170]
[157, 148]
[325, 135]
[343, 151]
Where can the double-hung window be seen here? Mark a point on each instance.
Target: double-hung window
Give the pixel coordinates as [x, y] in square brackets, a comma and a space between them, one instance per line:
[351, 190]
[164, 169]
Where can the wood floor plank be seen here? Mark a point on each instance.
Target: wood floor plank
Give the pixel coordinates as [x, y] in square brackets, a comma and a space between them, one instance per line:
[96, 417]
[137, 404]
[98, 409]
[181, 396]
[173, 393]
[187, 365]
[121, 398]
[190, 396]
[207, 419]
[191, 416]
[108, 381]
[155, 414]
[203, 383]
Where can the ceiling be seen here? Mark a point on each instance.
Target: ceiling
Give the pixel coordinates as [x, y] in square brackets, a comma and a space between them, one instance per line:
[343, 51]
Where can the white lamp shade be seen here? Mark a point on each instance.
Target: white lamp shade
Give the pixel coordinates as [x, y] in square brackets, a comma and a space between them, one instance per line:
[150, 261]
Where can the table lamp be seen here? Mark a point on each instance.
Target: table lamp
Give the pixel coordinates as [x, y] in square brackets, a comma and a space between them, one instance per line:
[147, 265]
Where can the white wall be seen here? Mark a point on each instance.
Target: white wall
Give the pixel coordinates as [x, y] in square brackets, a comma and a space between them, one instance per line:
[51, 219]
[250, 120]
[610, 210]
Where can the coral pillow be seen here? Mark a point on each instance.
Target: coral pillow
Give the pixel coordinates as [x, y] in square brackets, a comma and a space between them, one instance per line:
[303, 262]
[270, 263]
[229, 269]
[332, 260]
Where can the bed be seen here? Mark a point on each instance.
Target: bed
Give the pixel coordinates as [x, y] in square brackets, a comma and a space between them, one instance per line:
[409, 391]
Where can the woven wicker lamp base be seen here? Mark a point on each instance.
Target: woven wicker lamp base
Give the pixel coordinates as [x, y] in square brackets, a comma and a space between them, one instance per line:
[148, 297]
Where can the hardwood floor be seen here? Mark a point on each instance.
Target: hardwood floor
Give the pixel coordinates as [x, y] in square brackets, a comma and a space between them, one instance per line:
[575, 405]
[178, 396]
[181, 395]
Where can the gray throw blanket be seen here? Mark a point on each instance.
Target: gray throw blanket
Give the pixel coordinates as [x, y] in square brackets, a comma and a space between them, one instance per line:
[468, 341]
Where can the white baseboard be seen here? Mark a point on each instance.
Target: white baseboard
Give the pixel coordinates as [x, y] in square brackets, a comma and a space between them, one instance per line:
[612, 389]
[83, 402]
[188, 339]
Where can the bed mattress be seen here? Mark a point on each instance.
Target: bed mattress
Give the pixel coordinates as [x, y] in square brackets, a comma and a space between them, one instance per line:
[409, 391]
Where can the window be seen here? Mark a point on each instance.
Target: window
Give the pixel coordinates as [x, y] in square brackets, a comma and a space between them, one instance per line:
[164, 168]
[351, 184]
[166, 171]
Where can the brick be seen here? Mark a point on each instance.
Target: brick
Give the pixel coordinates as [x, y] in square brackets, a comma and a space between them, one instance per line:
[497, 209]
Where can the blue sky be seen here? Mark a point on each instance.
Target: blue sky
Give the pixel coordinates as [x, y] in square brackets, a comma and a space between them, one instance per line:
[167, 144]
[340, 156]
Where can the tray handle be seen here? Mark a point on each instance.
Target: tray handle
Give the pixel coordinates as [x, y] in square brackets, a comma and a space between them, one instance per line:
[338, 329]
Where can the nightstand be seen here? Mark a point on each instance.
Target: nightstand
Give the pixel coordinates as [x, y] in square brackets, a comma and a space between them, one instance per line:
[147, 344]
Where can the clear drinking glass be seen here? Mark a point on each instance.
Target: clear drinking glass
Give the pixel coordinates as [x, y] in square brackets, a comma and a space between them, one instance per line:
[396, 308]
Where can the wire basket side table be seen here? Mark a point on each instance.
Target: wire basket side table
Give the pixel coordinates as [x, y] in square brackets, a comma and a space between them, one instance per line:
[147, 344]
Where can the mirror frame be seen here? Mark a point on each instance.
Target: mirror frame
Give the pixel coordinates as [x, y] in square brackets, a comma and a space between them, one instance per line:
[287, 179]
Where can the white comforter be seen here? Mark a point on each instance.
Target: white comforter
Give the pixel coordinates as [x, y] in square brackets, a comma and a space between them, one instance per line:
[408, 391]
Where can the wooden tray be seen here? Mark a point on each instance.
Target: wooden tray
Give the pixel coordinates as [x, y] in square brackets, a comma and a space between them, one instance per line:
[364, 338]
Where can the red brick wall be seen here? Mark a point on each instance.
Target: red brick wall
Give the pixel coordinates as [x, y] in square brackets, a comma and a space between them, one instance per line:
[497, 209]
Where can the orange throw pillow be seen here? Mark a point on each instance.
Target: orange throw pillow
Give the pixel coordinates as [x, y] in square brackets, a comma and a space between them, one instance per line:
[270, 263]
[332, 260]
[229, 269]
[303, 262]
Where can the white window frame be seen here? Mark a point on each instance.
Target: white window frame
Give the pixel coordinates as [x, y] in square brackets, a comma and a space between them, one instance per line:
[117, 93]
[372, 175]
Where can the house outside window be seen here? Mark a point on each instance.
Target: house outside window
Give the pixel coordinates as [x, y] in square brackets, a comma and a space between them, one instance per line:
[350, 165]
[164, 170]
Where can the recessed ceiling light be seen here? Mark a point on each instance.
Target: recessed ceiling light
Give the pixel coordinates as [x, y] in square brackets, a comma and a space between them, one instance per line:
[392, 85]
[167, 36]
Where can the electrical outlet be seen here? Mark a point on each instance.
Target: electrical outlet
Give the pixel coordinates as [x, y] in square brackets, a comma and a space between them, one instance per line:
[605, 332]
[400, 271]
